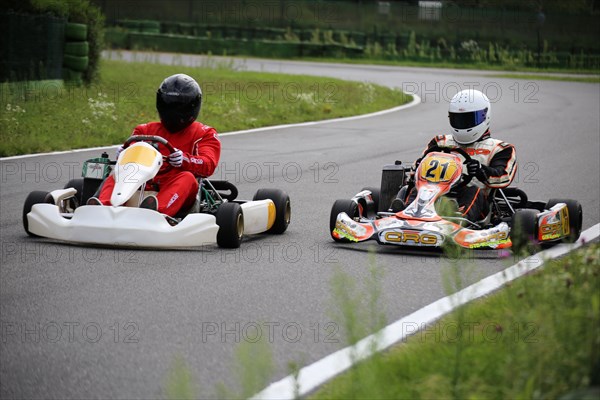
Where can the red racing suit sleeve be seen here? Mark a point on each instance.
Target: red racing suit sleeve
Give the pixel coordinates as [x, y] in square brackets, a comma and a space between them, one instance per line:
[199, 143]
[205, 154]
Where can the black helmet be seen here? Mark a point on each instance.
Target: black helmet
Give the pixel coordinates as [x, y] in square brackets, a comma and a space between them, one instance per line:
[178, 101]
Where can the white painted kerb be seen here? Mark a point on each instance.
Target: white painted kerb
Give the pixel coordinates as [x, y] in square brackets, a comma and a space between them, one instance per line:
[316, 374]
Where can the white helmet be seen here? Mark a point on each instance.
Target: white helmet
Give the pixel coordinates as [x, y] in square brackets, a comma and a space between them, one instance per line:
[469, 114]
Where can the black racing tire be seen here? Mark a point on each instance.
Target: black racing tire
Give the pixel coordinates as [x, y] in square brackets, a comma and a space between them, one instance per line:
[76, 31]
[524, 229]
[76, 63]
[35, 197]
[283, 208]
[376, 193]
[76, 184]
[575, 217]
[79, 49]
[231, 225]
[343, 205]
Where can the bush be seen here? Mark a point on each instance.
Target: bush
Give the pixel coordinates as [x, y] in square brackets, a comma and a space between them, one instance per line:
[117, 38]
[78, 11]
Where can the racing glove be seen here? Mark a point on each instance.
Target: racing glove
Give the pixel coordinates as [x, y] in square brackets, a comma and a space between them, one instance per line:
[474, 168]
[413, 169]
[118, 151]
[416, 163]
[176, 158]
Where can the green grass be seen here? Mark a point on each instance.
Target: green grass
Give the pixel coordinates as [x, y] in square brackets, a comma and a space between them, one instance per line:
[47, 117]
[179, 382]
[584, 79]
[537, 338]
[451, 65]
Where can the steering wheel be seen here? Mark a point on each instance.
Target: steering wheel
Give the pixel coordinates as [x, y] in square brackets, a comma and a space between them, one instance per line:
[465, 178]
[153, 139]
[149, 138]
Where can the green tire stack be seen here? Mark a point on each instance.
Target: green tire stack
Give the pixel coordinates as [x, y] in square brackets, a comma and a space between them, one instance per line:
[75, 60]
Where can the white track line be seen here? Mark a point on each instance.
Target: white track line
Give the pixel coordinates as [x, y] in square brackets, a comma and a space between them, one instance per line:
[316, 374]
[415, 101]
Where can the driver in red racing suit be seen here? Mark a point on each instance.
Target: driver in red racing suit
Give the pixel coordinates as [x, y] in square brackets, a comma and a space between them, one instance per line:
[493, 164]
[197, 146]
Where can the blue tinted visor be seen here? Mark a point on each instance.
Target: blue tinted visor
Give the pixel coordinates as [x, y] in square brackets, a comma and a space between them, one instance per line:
[467, 120]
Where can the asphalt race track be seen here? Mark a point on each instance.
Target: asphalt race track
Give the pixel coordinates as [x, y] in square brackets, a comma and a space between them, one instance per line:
[83, 322]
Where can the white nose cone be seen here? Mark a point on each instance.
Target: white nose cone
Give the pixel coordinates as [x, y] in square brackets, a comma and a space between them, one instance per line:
[137, 164]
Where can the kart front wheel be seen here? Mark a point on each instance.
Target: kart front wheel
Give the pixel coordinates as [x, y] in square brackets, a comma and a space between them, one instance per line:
[283, 209]
[77, 184]
[523, 231]
[344, 205]
[35, 197]
[575, 217]
[376, 195]
[231, 225]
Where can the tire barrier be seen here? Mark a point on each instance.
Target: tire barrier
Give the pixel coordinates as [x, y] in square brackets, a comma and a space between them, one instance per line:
[76, 52]
[75, 32]
[78, 49]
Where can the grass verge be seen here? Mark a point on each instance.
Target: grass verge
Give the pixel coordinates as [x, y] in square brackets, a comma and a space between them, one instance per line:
[46, 117]
[451, 65]
[583, 79]
[537, 338]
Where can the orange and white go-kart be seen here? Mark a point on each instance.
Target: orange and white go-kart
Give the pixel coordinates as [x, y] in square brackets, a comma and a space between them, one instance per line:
[512, 221]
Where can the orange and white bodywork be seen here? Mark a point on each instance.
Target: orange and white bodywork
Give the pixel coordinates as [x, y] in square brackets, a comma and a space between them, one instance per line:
[554, 223]
[419, 223]
[434, 177]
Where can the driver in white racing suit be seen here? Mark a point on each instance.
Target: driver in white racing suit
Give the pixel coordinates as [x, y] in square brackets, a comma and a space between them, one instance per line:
[493, 162]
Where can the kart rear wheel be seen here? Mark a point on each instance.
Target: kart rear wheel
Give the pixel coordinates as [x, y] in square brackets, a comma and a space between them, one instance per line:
[35, 197]
[523, 231]
[575, 217]
[344, 205]
[231, 225]
[283, 209]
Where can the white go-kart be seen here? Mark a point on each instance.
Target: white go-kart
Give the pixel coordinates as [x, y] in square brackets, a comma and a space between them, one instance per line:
[216, 216]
